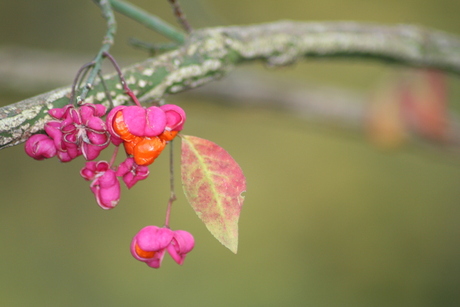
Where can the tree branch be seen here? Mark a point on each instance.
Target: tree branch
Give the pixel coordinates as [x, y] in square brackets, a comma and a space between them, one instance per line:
[209, 54]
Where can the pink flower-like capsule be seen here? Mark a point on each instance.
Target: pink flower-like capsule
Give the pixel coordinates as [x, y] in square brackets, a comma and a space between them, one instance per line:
[150, 244]
[139, 121]
[145, 122]
[104, 185]
[40, 146]
[175, 117]
[131, 172]
[65, 152]
[181, 244]
[78, 131]
[115, 138]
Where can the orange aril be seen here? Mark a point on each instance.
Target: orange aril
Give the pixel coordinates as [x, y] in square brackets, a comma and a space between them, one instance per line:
[144, 254]
[147, 150]
[168, 135]
[129, 146]
[143, 149]
[120, 127]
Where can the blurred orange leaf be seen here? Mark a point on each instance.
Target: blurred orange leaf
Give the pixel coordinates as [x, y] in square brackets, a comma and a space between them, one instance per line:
[412, 102]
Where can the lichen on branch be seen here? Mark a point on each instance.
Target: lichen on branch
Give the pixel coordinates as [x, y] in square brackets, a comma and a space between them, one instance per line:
[209, 54]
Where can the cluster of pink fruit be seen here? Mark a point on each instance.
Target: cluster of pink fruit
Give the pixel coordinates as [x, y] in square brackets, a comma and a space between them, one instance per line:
[144, 133]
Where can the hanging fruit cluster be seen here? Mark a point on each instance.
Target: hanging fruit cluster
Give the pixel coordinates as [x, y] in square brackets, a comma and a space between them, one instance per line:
[80, 129]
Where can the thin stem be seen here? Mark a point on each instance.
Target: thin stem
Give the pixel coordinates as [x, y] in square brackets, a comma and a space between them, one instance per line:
[106, 89]
[114, 156]
[81, 73]
[107, 12]
[172, 196]
[150, 21]
[180, 15]
[152, 48]
[128, 91]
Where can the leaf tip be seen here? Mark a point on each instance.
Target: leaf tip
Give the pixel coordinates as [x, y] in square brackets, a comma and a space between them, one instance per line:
[232, 246]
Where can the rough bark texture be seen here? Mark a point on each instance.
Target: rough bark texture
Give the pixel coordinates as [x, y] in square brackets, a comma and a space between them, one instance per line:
[209, 54]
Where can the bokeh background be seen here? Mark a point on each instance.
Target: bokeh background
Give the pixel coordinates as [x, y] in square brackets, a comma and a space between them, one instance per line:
[328, 220]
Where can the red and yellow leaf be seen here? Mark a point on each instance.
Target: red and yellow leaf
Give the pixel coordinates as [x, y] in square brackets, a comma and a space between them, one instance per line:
[213, 184]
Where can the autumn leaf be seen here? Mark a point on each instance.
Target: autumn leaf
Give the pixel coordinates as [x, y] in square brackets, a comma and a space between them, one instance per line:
[213, 184]
[424, 104]
[409, 103]
[385, 122]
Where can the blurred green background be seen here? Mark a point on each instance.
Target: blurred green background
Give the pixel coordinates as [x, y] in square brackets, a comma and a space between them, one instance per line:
[328, 219]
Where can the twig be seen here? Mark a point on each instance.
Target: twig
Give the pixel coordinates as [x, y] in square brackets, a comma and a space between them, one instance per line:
[152, 48]
[180, 15]
[150, 21]
[128, 91]
[106, 44]
[81, 73]
[106, 90]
